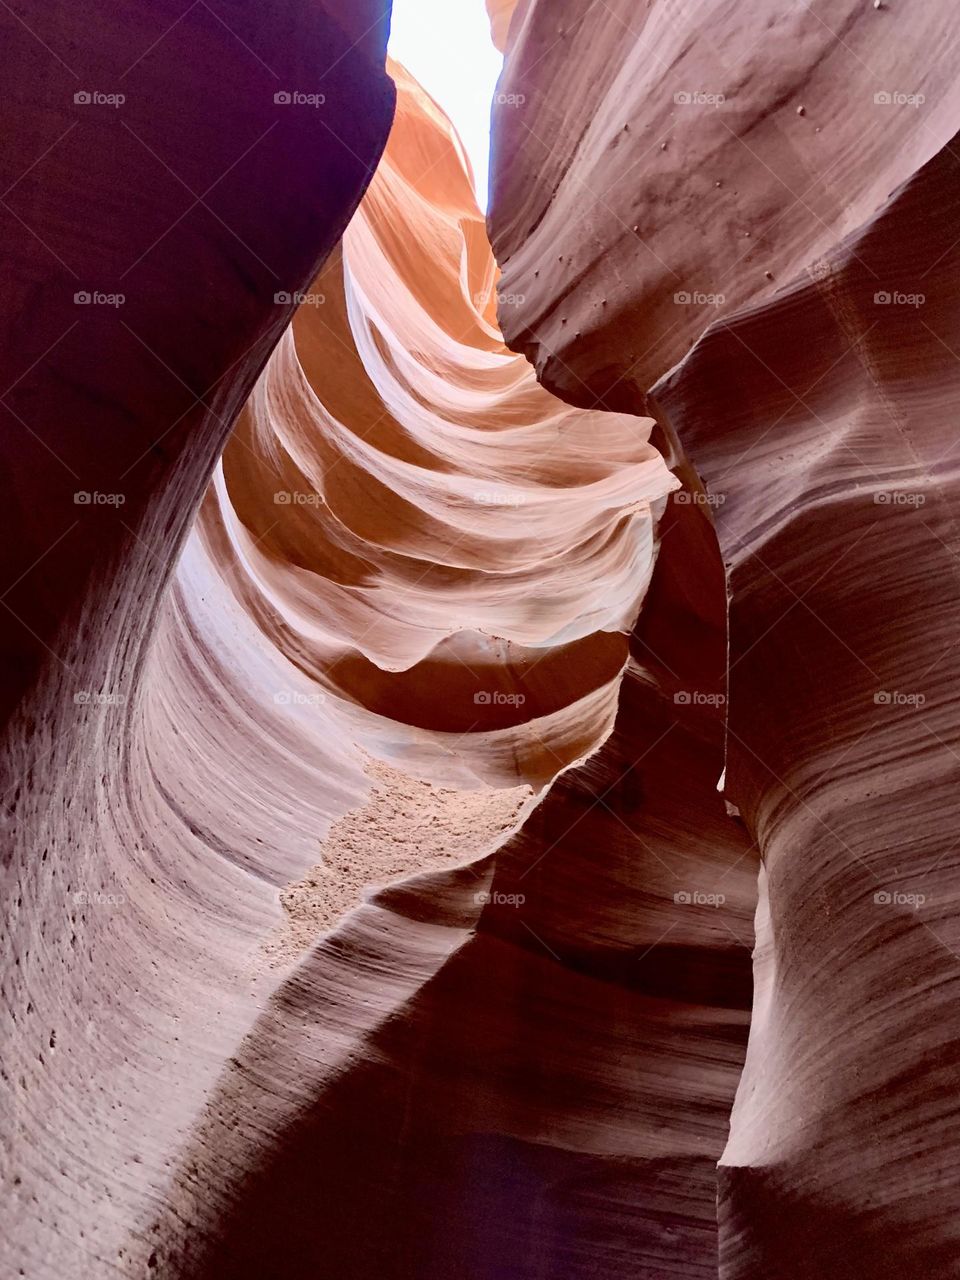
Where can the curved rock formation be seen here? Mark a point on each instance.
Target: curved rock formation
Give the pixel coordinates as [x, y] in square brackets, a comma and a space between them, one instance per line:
[376, 550]
[395, 731]
[468, 1045]
[430, 536]
[652, 173]
[500, 13]
[732, 179]
[154, 201]
[848, 784]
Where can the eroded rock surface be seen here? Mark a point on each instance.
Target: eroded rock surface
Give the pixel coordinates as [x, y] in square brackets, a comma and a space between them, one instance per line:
[454, 598]
[468, 1044]
[407, 666]
[144, 242]
[779, 190]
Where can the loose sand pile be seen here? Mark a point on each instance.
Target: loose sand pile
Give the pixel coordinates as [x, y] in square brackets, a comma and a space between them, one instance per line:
[406, 827]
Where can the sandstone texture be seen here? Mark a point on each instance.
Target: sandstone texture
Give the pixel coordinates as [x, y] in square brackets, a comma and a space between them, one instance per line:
[478, 748]
[752, 225]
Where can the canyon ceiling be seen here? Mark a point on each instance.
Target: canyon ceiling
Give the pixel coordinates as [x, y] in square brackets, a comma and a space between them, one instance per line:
[479, 751]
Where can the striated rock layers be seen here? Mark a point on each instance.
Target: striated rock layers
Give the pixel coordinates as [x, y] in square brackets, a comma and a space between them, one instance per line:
[447, 1084]
[431, 538]
[752, 221]
[411, 664]
[155, 199]
[378, 636]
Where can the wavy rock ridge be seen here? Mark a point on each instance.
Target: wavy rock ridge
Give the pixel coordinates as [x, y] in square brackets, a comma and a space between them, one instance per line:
[396, 731]
[770, 242]
[431, 537]
[135, 787]
[479, 979]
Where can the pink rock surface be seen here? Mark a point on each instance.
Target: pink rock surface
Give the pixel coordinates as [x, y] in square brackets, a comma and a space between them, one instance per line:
[657, 153]
[130, 897]
[447, 1084]
[799, 231]
[188, 741]
[411, 665]
[430, 536]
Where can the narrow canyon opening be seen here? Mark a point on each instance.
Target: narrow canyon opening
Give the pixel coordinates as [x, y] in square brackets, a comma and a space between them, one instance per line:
[441, 561]
[478, 745]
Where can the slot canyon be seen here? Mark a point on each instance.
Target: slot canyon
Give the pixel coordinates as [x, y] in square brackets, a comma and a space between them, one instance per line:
[478, 736]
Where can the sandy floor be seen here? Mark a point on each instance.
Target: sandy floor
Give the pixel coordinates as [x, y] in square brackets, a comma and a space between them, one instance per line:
[408, 826]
